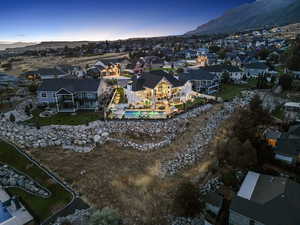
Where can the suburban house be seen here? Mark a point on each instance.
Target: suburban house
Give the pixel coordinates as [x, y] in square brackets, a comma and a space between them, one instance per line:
[99, 69]
[46, 73]
[148, 63]
[234, 59]
[272, 136]
[187, 54]
[292, 111]
[123, 62]
[158, 91]
[202, 60]
[234, 72]
[256, 69]
[266, 200]
[75, 71]
[202, 81]
[206, 59]
[70, 95]
[287, 148]
[202, 51]
[12, 211]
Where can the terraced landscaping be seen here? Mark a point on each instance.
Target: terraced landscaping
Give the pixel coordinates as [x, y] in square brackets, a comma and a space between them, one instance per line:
[40, 208]
[79, 118]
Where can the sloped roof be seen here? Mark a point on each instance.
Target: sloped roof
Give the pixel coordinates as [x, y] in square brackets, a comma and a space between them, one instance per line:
[151, 79]
[274, 201]
[287, 146]
[294, 130]
[49, 71]
[257, 65]
[199, 74]
[72, 85]
[214, 198]
[222, 68]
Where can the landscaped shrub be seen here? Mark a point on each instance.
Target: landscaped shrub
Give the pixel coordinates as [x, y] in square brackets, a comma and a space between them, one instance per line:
[33, 88]
[229, 179]
[186, 202]
[106, 216]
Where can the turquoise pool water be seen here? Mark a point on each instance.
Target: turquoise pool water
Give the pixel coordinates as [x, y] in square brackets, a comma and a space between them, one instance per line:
[4, 214]
[144, 114]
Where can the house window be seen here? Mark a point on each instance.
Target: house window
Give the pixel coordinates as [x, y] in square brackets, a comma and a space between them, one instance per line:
[44, 95]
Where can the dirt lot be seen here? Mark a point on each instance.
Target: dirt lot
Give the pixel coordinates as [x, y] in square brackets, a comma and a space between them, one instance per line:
[126, 179]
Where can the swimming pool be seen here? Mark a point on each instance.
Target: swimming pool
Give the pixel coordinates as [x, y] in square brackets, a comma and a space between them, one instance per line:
[4, 214]
[145, 115]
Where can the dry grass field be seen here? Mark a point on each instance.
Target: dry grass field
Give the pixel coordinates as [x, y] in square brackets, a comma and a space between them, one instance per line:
[27, 63]
[126, 179]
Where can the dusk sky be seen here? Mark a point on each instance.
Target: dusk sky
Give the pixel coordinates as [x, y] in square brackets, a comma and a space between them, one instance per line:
[59, 20]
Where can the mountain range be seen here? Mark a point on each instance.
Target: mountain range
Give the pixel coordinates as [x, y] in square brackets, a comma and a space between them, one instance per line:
[258, 14]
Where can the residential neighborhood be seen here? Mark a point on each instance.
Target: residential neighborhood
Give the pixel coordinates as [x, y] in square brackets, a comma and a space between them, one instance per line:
[200, 128]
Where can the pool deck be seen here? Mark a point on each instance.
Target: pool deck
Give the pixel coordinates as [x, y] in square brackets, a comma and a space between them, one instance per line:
[18, 217]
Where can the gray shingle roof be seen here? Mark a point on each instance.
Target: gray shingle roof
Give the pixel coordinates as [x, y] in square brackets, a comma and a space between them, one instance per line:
[72, 85]
[200, 74]
[214, 199]
[257, 65]
[222, 68]
[274, 201]
[287, 146]
[151, 79]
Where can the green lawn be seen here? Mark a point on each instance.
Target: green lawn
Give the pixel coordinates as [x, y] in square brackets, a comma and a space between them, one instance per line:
[65, 118]
[278, 112]
[229, 91]
[189, 105]
[41, 208]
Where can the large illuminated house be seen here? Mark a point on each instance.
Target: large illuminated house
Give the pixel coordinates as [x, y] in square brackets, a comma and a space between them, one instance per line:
[158, 90]
[102, 70]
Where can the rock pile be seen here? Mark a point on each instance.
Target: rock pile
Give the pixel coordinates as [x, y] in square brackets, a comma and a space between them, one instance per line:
[10, 177]
[212, 185]
[84, 138]
[19, 111]
[80, 217]
[187, 221]
[196, 150]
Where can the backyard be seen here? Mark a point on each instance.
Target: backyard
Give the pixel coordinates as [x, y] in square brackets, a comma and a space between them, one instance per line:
[189, 105]
[129, 180]
[279, 112]
[229, 91]
[40, 208]
[79, 118]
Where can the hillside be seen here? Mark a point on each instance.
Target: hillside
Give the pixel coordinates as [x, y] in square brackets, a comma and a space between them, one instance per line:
[5, 45]
[254, 15]
[48, 45]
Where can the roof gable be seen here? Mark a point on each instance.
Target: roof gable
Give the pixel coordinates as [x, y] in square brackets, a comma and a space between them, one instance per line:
[151, 80]
[63, 91]
[72, 85]
[274, 201]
